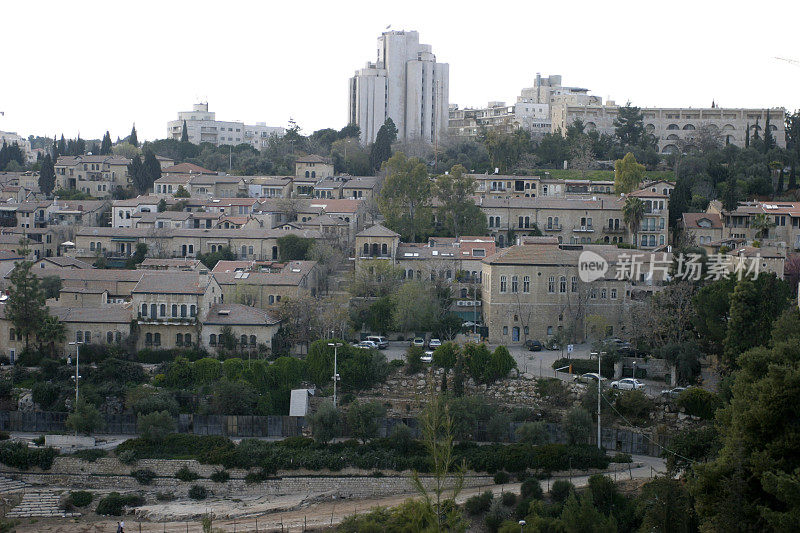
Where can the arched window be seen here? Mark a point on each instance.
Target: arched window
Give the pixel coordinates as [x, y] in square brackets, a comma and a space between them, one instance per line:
[179, 339]
[162, 311]
[174, 310]
[183, 311]
[252, 340]
[673, 127]
[153, 311]
[308, 173]
[193, 310]
[243, 340]
[187, 339]
[11, 334]
[244, 251]
[313, 173]
[117, 337]
[212, 340]
[366, 249]
[463, 293]
[375, 248]
[157, 339]
[384, 249]
[689, 127]
[410, 274]
[109, 337]
[144, 310]
[148, 338]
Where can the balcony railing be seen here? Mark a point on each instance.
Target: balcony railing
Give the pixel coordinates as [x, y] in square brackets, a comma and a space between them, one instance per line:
[615, 229]
[554, 227]
[583, 229]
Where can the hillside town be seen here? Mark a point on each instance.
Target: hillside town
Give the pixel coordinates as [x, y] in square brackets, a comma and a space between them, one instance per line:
[562, 314]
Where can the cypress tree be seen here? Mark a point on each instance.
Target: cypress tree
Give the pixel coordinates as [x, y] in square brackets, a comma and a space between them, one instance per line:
[780, 182]
[184, 133]
[62, 146]
[792, 178]
[769, 141]
[80, 146]
[105, 147]
[133, 139]
[382, 147]
[747, 136]
[55, 149]
[47, 175]
[137, 175]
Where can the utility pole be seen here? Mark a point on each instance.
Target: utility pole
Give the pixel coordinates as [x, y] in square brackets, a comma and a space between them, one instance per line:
[599, 389]
[335, 364]
[77, 345]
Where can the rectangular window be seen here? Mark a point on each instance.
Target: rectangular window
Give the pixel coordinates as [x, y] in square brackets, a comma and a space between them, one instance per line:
[503, 284]
[562, 284]
[613, 294]
[526, 284]
[514, 284]
[551, 284]
[574, 287]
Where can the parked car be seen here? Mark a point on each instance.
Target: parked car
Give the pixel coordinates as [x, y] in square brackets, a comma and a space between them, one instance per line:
[673, 393]
[534, 345]
[589, 377]
[434, 343]
[428, 357]
[368, 345]
[418, 341]
[380, 341]
[617, 344]
[627, 384]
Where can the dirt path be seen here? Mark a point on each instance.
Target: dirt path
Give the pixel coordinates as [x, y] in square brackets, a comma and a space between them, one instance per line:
[315, 516]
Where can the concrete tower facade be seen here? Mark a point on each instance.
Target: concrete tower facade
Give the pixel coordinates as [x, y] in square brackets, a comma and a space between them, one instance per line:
[405, 84]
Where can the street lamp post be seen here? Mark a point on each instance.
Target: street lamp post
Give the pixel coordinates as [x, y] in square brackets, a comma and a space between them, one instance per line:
[521, 525]
[335, 365]
[77, 345]
[599, 388]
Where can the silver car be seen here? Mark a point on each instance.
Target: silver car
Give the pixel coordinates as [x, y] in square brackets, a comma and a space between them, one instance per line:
[627, 384]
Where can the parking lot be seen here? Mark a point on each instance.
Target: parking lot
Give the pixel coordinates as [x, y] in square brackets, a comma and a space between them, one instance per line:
[535, 363]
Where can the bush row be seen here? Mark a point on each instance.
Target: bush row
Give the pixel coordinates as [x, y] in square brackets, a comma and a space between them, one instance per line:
[20, 455]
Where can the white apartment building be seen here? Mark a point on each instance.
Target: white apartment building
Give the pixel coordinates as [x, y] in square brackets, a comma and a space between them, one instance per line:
[406, 84]
[10, 137]
[202, 126]
[676, 127]
[468, 122]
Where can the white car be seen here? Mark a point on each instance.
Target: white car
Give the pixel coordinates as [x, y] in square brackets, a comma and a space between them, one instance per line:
[367, 345]
[434, 343]
[627, 384]
[428, 357]
[418, 341]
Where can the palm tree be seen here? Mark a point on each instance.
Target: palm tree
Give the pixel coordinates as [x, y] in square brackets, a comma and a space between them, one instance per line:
[632, 214]
[762, 223]
[52, 331]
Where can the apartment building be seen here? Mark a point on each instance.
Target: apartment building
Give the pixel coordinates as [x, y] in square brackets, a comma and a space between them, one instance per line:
[96, 175]
[677, 128]
[703, 228]
[202, 126]
[469, 122]
[407, 84]
[534, 291]
[577, 220]
[264, 284]
[782, 218]
[117, 244]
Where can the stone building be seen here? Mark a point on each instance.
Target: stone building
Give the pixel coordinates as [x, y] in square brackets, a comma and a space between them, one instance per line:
[96, 175]
[535, 291]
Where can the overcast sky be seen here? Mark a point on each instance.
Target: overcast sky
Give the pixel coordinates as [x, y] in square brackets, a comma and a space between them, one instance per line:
[89, 67]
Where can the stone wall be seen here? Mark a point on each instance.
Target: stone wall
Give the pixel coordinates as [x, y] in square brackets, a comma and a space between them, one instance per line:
[109, 474]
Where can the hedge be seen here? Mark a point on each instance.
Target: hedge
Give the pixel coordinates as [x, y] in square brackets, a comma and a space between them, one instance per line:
[114, 503]
[19, 455]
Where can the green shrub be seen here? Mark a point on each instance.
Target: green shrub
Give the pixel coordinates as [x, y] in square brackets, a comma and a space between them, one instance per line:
[155, 426]
[114, 503]
[533, 433]
[80, 498]
[143, 476]
[165, 496]
[583, 366]
[699, 402]
[39, 441]
[184, 474]
[553, 390]
[479, 504]
[198, 492]
[634, 405]
[622, 458]
[509, 499]
[91, 455]
[414, 359]
[501, 477]
[497, 514]
[220, 476]
[531, 488]
[397, 363]
[19, 455]
[560, 490]
[127, 457]
[4, 435]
